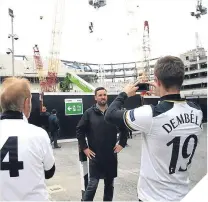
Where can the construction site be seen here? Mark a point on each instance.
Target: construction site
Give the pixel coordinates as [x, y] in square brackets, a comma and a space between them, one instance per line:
[68, 86]
[53, 74]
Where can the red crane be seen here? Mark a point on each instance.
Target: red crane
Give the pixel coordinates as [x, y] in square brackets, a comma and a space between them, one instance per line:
[39, 67]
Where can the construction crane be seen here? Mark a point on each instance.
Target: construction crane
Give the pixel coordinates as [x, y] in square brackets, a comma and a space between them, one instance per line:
[54, 58]
[39, 67]
[145, 76]
[97, 3]
[48, 80]
[42, 79]
[200, 10]
[91, 27]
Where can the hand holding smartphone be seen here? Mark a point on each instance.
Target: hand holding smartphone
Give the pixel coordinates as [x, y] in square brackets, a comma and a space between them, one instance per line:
[142, 87]
[131, 89]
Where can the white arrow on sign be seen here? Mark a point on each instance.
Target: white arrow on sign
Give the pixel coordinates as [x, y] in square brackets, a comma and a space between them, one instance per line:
[69, 108]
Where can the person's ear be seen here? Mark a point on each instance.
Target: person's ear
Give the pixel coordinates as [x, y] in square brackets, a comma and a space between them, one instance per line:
[158, 82]
[27, 107]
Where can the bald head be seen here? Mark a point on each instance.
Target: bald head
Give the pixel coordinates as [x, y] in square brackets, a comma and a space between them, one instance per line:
[16, 95]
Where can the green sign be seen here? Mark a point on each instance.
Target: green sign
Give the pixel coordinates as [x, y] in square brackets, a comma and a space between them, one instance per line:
[73, 107]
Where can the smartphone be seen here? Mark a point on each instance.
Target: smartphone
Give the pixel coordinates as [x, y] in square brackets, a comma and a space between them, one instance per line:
[143, 87]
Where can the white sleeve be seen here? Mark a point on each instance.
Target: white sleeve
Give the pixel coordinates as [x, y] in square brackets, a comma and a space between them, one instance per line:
[48, 157]
[139, 119]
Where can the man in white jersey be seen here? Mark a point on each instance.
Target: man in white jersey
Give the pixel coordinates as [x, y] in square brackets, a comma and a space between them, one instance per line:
[170, 133]
[26, 155]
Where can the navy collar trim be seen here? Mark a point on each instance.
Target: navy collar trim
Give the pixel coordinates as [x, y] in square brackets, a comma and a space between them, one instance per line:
[12, 115]
[172, 97]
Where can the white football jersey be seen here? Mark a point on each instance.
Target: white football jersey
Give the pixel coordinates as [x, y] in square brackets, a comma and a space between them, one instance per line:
[170, 133]
[25, 154]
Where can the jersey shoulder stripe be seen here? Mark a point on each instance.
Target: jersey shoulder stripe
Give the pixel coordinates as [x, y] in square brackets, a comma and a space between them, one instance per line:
[132, 118]
[139, 119]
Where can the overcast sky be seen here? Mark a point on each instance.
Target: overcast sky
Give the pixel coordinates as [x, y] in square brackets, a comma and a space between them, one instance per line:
[172, 29]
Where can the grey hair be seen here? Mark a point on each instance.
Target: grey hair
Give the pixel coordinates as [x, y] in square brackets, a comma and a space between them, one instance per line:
[13, 105]
[14, 93]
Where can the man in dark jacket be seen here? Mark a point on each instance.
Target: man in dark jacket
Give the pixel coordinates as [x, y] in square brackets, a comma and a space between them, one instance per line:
[54, 127]
[44, 118]
[101, 148]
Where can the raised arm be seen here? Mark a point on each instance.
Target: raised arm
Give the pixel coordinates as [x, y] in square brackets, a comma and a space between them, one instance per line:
[114, 113]
[138, 119]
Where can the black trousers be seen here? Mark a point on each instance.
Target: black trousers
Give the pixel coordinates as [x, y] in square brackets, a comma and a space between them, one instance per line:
[54, 138]
[92, 187]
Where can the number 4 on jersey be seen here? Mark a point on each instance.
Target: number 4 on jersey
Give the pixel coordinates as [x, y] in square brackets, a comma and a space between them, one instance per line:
[11, 147]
